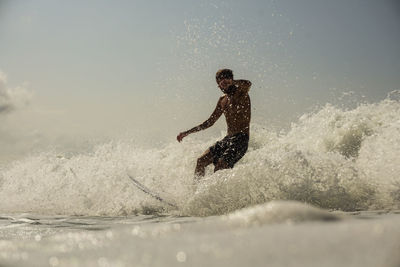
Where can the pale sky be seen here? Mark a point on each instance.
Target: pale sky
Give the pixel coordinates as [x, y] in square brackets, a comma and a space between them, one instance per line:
[150, 65]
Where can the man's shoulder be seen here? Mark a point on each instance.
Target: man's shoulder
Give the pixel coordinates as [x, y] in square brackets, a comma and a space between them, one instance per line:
[241, 93]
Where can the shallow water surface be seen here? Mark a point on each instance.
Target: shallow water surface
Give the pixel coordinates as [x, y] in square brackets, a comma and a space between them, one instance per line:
[270, 235]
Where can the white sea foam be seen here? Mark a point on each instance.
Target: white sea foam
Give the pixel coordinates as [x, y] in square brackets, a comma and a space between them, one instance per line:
[333, 158]
[277, 212]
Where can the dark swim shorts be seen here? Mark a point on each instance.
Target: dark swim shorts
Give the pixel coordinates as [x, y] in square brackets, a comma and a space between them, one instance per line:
[231, 149]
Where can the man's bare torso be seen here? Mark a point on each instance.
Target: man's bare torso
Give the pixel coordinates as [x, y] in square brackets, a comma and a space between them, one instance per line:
[237, 111]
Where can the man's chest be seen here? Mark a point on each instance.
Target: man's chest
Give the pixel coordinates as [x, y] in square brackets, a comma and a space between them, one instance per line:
[233, 104]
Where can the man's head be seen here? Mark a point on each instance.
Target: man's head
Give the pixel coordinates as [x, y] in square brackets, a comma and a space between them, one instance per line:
[224, 79]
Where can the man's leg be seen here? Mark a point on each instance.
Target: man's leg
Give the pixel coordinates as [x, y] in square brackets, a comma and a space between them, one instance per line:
[202, 162]
[233, 152]
[221, 164]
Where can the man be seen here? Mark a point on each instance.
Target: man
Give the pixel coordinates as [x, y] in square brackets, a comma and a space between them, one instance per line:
[235, 105]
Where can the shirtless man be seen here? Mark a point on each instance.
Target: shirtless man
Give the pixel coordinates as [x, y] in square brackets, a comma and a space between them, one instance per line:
[235, 105]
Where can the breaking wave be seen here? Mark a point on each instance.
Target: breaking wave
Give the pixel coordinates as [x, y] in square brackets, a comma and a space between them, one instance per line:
[333, 158]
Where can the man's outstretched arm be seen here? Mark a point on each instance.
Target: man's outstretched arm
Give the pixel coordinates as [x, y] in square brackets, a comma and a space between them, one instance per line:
[208, 123]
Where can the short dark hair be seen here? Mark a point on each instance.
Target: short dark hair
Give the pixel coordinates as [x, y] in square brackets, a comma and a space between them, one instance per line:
[224, 74]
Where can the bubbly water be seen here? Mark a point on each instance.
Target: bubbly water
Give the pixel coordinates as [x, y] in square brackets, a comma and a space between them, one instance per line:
[336, 161]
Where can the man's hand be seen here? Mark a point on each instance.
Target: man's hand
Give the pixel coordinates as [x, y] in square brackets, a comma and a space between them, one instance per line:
[181, 136]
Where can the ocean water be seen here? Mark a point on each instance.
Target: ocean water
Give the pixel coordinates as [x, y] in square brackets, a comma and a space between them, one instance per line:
[324, 193]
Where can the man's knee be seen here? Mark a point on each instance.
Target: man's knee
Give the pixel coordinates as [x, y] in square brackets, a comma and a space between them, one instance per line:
[203, 161]
[221, 164]
[200, 161]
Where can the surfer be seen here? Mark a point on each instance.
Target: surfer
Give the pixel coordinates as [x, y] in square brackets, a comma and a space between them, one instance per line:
[235, 105]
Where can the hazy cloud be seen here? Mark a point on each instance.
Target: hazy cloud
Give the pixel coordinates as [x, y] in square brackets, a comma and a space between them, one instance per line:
[12, 98]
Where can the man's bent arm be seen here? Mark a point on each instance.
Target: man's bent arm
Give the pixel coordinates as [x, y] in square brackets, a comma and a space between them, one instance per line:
[243, 85]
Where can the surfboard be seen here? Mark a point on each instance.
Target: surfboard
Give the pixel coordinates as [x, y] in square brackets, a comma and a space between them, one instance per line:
[149, 192]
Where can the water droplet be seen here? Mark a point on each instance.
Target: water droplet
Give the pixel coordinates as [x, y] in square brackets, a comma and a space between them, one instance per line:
[181, 256]
[53, 261]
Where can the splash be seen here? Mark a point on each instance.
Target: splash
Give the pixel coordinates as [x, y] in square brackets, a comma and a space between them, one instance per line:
[334, 159]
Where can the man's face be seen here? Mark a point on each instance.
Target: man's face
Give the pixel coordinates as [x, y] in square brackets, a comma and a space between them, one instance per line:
[224, 83]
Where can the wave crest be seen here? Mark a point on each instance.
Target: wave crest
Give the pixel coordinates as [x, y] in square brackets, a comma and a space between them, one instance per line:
[332, 159]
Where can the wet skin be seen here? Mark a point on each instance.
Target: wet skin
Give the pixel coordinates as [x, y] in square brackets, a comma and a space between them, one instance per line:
[234, 104]
[236, 107]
